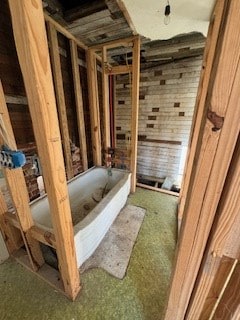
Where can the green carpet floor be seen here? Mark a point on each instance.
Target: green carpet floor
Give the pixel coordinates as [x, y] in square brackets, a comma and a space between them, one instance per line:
[140, 295]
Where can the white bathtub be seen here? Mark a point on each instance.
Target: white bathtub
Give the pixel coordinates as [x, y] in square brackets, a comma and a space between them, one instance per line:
[96, 198]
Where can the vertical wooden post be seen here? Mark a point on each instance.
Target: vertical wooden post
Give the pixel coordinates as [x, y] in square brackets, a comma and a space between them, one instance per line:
[94, 106]
[32, 49]
[79, 103]
[212, 159]
[105, 94]
[18, 190]
[225, 241]
[62, 112]
[135, 108]
[208, 59]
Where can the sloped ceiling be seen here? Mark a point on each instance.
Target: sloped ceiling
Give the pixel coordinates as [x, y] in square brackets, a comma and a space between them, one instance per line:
[186, 16]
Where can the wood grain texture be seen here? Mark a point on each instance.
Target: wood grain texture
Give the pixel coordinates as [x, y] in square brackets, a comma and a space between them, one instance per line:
[19, 194]
[64, 31]
[79, 103]
[59, 91]
[212, 160]
[229, 305]
[208, 60]
[105, 97]
[94, 107]
[32, 49]
[224, 242]
[135, 110]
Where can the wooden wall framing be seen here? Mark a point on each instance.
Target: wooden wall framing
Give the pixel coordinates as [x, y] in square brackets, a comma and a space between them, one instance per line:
[215, 144]
[32, 49]
[107, 69]
[34, 59]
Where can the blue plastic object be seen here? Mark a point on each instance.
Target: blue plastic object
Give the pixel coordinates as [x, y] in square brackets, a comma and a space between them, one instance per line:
[12, 159]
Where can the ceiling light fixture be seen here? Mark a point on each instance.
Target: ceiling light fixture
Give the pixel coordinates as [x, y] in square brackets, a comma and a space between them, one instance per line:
[167, 13]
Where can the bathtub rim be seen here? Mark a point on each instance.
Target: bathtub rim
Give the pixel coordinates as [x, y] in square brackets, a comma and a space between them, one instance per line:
[80, 225]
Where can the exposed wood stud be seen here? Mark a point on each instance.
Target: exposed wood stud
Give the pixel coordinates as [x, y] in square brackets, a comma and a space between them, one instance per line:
[224, 242]
[119, 70]
[32, 50]
[126, 42]
[18, 190]
[105, 94]
[62, 112]
[94, 107]
[63, 31]
[135, 109]
[171, 193]
[208, 59]
[212, 159]
[79, 103]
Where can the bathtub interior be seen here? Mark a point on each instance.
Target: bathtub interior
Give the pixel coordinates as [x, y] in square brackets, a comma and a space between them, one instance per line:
[86, 192]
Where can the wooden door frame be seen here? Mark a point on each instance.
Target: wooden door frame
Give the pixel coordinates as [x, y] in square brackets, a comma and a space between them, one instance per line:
[214, 138]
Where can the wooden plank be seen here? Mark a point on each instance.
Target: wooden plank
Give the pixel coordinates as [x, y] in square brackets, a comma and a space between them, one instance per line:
[19, 194]
[229, 305]
[32, 50]
[11, 236]
[64, 31]
[127, 16]
[94, 107]
[224, 281]
[40, 234]
[115, 43]
[16, 99]
[225, 241]
[212, 159]
[59, 90]
[119, 69]
[135, 109]
[85, 10]
[208, 59]
[171, 193]
[106, 113]
[79, 104]
[43, 236]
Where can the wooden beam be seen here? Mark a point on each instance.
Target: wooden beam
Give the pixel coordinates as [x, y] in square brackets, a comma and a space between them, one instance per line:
[224, 242]
[126, 42]
[19, 194]
[43, 236]
[119, 69]
[16, 99]
[40, 234]
[212, 159]
[135, 109]
[208, 59]
[94, 107]
[106, 113]
[229, 305]
[64, 31]
[79, 104]
[124, 10]
[32, 50]
[171, 193]
[226, 276]
[59, 90]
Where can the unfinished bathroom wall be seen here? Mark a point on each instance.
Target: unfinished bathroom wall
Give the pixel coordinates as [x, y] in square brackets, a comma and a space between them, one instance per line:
[170, 72]
[13, 86]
